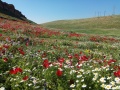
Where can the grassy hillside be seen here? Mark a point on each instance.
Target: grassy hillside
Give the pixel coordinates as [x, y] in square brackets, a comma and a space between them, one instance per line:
[108, 25]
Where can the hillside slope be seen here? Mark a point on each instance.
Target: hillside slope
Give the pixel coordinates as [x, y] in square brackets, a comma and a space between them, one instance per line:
[108, 25]
[108, 22]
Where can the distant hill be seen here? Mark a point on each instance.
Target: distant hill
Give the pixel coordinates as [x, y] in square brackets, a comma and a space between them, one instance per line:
[8, 11]
[107, 22]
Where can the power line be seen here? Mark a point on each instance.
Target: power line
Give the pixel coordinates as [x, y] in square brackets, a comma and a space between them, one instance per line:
[114, 10]
[104, 13]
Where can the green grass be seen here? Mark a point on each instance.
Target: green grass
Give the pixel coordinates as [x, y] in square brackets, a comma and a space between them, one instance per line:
[108, 25]
[112, 32]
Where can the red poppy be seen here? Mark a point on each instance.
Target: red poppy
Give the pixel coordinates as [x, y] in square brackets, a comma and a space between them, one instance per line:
[59, 73]
[0, 34]
[18, 69]
[5, 59]
[6, 46]
[76, 56]
[25, 78]
[61, 60]
[70, 56]
[27, 43]
[46, 63]
[111, 61]
[15, 70]
[83, 58]
[21, 51]
[117, 73]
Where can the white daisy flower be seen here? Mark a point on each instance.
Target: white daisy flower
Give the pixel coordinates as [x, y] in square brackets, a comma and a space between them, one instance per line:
[112, 83]
[78, 76]
[2, 88]
[108, 87]
[103, 85]
[102, 80]
[84, 86]
[117, 80]
[72, 86]
[77, 81]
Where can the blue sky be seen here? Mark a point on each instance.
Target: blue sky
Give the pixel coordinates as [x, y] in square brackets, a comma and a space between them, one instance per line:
[41, 11]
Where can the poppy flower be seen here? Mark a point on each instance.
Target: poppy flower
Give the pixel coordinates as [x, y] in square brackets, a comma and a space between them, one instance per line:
[18, 69]
[111, 61]
[25, 78]
[46, 63]
[22, 52]
[27, 43]
[117, 73]
[70, 56]
[61, 60]
[83, 58]
[15, 70]
[6, 46]
[59, 73]
[5, 59]
[76, 56]
[0, 35]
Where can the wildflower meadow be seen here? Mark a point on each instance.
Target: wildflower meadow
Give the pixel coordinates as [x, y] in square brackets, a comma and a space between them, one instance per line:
[35, 58]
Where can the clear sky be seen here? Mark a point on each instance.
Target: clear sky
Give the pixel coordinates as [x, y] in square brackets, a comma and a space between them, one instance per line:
[41, 11]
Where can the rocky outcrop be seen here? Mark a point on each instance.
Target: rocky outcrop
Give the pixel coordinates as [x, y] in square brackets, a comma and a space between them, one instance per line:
[9, 8]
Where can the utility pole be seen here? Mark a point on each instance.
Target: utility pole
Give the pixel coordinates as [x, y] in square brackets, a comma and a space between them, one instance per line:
[98, 14]
[95, 14]
[104, 13]
[114, 10]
